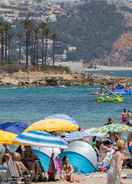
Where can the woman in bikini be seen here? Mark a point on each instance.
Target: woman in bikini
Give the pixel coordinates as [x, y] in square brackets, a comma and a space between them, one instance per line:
[114, 173]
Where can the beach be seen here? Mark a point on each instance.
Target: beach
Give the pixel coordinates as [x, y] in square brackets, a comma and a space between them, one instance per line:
[97, 178]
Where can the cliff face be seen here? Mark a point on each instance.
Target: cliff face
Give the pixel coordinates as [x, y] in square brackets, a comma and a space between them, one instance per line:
[99, 29]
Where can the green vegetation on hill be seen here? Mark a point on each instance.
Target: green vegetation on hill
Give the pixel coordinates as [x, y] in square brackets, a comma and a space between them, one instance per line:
[92, 27]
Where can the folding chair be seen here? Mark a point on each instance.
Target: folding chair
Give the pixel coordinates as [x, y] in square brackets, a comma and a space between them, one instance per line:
[6, 178]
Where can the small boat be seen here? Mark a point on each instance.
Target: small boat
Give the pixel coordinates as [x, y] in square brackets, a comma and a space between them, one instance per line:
[120, 89]
[109, 98]
[106, 95]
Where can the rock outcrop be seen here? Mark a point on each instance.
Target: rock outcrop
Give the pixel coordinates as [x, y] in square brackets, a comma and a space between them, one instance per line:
[41, 79]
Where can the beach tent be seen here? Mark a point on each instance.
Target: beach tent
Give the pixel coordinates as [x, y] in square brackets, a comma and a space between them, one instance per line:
[44, 155]
[54, 125]
[82, 157]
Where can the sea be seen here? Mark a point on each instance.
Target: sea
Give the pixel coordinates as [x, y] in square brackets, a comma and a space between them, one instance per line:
[33, 104]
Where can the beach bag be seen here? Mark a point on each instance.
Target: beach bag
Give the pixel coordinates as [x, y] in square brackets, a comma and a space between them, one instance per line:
[129, 163]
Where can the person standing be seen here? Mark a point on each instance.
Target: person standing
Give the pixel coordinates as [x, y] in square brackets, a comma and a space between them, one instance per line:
[52, 168]
[114, 173]
[124, 117]
[109, 121]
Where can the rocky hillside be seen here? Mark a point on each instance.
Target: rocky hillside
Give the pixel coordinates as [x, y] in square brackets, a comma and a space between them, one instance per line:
[100, 31]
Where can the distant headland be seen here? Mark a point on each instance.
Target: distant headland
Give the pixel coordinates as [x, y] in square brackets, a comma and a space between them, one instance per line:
[53, 76]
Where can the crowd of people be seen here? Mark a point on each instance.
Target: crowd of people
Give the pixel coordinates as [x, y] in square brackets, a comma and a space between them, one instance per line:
[24, 162]
[126, 118]
[112, 153]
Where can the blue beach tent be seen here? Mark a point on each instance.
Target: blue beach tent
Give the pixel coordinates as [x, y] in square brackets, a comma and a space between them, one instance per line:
[43, 158]
[44, 155]
[82, 157]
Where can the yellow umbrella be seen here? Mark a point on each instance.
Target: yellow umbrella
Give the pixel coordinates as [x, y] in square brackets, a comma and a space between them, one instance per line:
[53, 125]
[7, 137]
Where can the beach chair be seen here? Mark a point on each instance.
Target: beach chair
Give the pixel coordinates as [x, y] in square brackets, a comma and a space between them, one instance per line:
[6, 178]
[4, 174]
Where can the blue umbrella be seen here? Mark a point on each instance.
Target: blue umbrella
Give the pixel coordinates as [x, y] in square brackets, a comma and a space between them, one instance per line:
[62, 116]
[41, 139]
[14, 127]
[75, 136]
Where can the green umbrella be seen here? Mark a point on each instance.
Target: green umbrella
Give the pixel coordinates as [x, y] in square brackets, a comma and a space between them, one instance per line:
[94, 132]
[115, 128]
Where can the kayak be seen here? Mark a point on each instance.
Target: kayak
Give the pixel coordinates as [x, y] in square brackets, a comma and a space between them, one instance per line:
[112, 99]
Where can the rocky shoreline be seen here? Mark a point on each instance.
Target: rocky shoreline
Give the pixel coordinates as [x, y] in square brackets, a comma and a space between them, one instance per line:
[41, 79]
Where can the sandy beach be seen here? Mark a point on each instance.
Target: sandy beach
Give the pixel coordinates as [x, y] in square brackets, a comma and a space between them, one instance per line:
[97, 178]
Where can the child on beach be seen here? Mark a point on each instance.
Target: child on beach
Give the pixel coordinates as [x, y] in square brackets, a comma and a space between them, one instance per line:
[124, 117]
[68, 171]
[114, 173]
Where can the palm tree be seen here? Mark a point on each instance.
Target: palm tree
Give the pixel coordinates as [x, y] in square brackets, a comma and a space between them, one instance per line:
[7, 30]
[53, 37]
[47, 32]
[28, 29]
[2, 30]
[43, 26]
[19, 38]
[36, 42]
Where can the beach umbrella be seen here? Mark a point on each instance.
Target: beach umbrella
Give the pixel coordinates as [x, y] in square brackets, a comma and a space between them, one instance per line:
[75, 136]
[115, 127]
[14, 127]
[41, 139]
[7, 137]
[94, 132]
[62, 116]
[53, 125]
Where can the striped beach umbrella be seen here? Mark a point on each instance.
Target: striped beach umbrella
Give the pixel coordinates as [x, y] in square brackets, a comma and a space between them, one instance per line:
[41, 139]
[53, 125]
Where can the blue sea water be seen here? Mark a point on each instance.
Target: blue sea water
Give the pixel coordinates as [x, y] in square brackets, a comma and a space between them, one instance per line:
[115, 73]
[32, 104]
